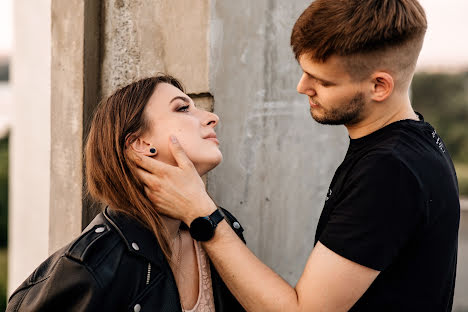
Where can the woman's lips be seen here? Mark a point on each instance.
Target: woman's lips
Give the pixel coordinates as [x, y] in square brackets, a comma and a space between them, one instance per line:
[214, 140]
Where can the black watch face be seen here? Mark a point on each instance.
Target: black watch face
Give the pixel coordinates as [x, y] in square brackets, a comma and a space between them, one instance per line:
[201, 229]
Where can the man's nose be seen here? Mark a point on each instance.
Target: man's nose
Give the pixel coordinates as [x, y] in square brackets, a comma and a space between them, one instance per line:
[304, 86]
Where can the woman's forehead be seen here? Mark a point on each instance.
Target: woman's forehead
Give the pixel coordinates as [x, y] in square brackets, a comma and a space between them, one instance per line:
[164, 94]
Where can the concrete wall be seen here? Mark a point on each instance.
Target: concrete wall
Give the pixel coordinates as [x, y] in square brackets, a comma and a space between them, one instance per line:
[30, 140]
[144, 37]
[278, 162]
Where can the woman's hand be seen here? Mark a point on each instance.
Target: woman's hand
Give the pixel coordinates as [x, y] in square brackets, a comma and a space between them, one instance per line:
[176, 191]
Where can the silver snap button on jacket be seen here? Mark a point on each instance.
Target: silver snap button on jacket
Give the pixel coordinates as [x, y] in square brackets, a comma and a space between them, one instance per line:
[236, 225]
[100, 229]
[137, 307]
[135, 246]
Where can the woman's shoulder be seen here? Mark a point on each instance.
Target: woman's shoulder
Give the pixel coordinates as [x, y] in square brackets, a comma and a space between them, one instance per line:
[110, 254]
[115, 246]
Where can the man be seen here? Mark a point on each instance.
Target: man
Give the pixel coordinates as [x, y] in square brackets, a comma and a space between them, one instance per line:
[387, 236]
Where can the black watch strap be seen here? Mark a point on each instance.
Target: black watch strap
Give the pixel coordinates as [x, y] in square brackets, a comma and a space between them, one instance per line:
[216, 217]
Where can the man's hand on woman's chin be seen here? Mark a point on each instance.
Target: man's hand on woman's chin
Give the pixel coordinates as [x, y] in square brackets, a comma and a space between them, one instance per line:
[176, 191]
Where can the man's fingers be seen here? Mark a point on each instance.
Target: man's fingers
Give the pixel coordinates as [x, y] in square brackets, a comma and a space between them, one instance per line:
[148, 163]
[149, 193]
[179, 154]
[145, 177]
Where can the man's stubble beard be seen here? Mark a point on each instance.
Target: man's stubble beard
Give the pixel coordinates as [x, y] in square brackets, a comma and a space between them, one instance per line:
[349, 114]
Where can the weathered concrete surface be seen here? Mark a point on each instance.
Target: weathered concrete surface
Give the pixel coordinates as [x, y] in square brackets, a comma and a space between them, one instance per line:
[67, 77]
[278, 162]
[144, 37]
[30, 140]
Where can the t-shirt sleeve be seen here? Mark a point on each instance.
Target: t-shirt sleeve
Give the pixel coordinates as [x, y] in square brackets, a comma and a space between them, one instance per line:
[376, 212]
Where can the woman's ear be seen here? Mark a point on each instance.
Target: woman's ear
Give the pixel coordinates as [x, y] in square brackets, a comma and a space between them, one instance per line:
[141, 146]
[383, 85]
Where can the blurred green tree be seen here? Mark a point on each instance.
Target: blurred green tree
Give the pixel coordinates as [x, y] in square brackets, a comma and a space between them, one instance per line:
[3, 192]
[443, 100]
[3, 220]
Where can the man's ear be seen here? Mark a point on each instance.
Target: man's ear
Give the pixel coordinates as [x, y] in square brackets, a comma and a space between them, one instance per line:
[383, 86]
[141, 146]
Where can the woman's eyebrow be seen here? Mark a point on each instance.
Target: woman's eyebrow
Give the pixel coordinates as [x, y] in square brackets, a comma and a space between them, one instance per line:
[183, 98]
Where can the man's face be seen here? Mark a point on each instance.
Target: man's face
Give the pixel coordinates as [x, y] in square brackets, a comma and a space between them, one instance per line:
[334, 98]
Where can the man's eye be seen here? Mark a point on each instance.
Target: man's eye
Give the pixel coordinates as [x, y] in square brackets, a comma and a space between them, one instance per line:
[183, 108]
[323, 83]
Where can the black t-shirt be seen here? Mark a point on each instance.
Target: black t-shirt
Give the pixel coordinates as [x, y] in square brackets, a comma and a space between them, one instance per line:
[393, 206]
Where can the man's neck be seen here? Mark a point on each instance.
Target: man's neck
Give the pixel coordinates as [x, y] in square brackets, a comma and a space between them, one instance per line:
[393, 110]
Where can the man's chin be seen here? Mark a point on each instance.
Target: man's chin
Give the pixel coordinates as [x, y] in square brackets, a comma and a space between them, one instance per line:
[327, 120]
[322, 119]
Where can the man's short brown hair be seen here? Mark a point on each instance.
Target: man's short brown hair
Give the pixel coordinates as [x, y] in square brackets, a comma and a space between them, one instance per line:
[346, 27]
[358, 28]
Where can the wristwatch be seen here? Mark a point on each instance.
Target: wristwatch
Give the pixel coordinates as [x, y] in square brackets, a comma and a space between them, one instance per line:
[202, 228]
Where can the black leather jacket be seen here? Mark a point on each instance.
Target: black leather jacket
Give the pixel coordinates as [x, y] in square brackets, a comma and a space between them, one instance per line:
[115, 265]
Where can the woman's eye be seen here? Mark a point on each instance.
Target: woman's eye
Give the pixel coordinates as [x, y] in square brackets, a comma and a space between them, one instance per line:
[183, 108]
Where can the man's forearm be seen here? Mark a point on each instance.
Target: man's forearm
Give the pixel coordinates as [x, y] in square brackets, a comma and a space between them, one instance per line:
[253, 283]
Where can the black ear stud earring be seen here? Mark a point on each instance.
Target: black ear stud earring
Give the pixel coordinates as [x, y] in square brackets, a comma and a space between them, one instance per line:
[152, 150]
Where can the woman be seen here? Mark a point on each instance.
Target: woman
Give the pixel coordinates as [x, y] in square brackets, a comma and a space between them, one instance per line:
[130, 258]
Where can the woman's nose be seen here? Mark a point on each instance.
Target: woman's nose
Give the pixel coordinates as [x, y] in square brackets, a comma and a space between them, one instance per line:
[212, 119]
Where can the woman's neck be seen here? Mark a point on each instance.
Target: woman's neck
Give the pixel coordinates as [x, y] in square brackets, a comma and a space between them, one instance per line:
[172, 226]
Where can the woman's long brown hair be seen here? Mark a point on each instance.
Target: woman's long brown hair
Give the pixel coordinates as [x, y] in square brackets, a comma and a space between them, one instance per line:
[110, 175]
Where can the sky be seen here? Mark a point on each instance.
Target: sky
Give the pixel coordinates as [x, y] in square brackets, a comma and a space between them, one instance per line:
[445, 47]
[446, 44]
[6, 26]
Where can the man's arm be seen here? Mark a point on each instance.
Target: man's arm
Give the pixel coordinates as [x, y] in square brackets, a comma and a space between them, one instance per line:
[329, 282]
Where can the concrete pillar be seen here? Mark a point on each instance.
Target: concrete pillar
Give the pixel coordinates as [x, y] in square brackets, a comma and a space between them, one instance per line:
[74, 74]
[142, 38]
[30, 140]
[55, 87]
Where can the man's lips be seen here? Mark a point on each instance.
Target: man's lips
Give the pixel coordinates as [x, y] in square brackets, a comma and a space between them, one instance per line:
[313, 104]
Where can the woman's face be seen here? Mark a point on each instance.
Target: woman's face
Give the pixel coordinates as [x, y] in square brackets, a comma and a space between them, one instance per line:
[172, 112]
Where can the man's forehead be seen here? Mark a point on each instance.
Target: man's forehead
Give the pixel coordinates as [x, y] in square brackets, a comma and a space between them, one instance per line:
[333, 67]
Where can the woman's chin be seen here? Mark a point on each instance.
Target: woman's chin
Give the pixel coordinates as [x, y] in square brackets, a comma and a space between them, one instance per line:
[205, 167]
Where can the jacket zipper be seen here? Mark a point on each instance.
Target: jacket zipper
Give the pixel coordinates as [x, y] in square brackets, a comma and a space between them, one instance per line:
[148, 275]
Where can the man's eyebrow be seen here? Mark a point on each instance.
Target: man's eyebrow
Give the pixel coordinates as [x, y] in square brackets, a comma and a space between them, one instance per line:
[319, 79]
[183, 98]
